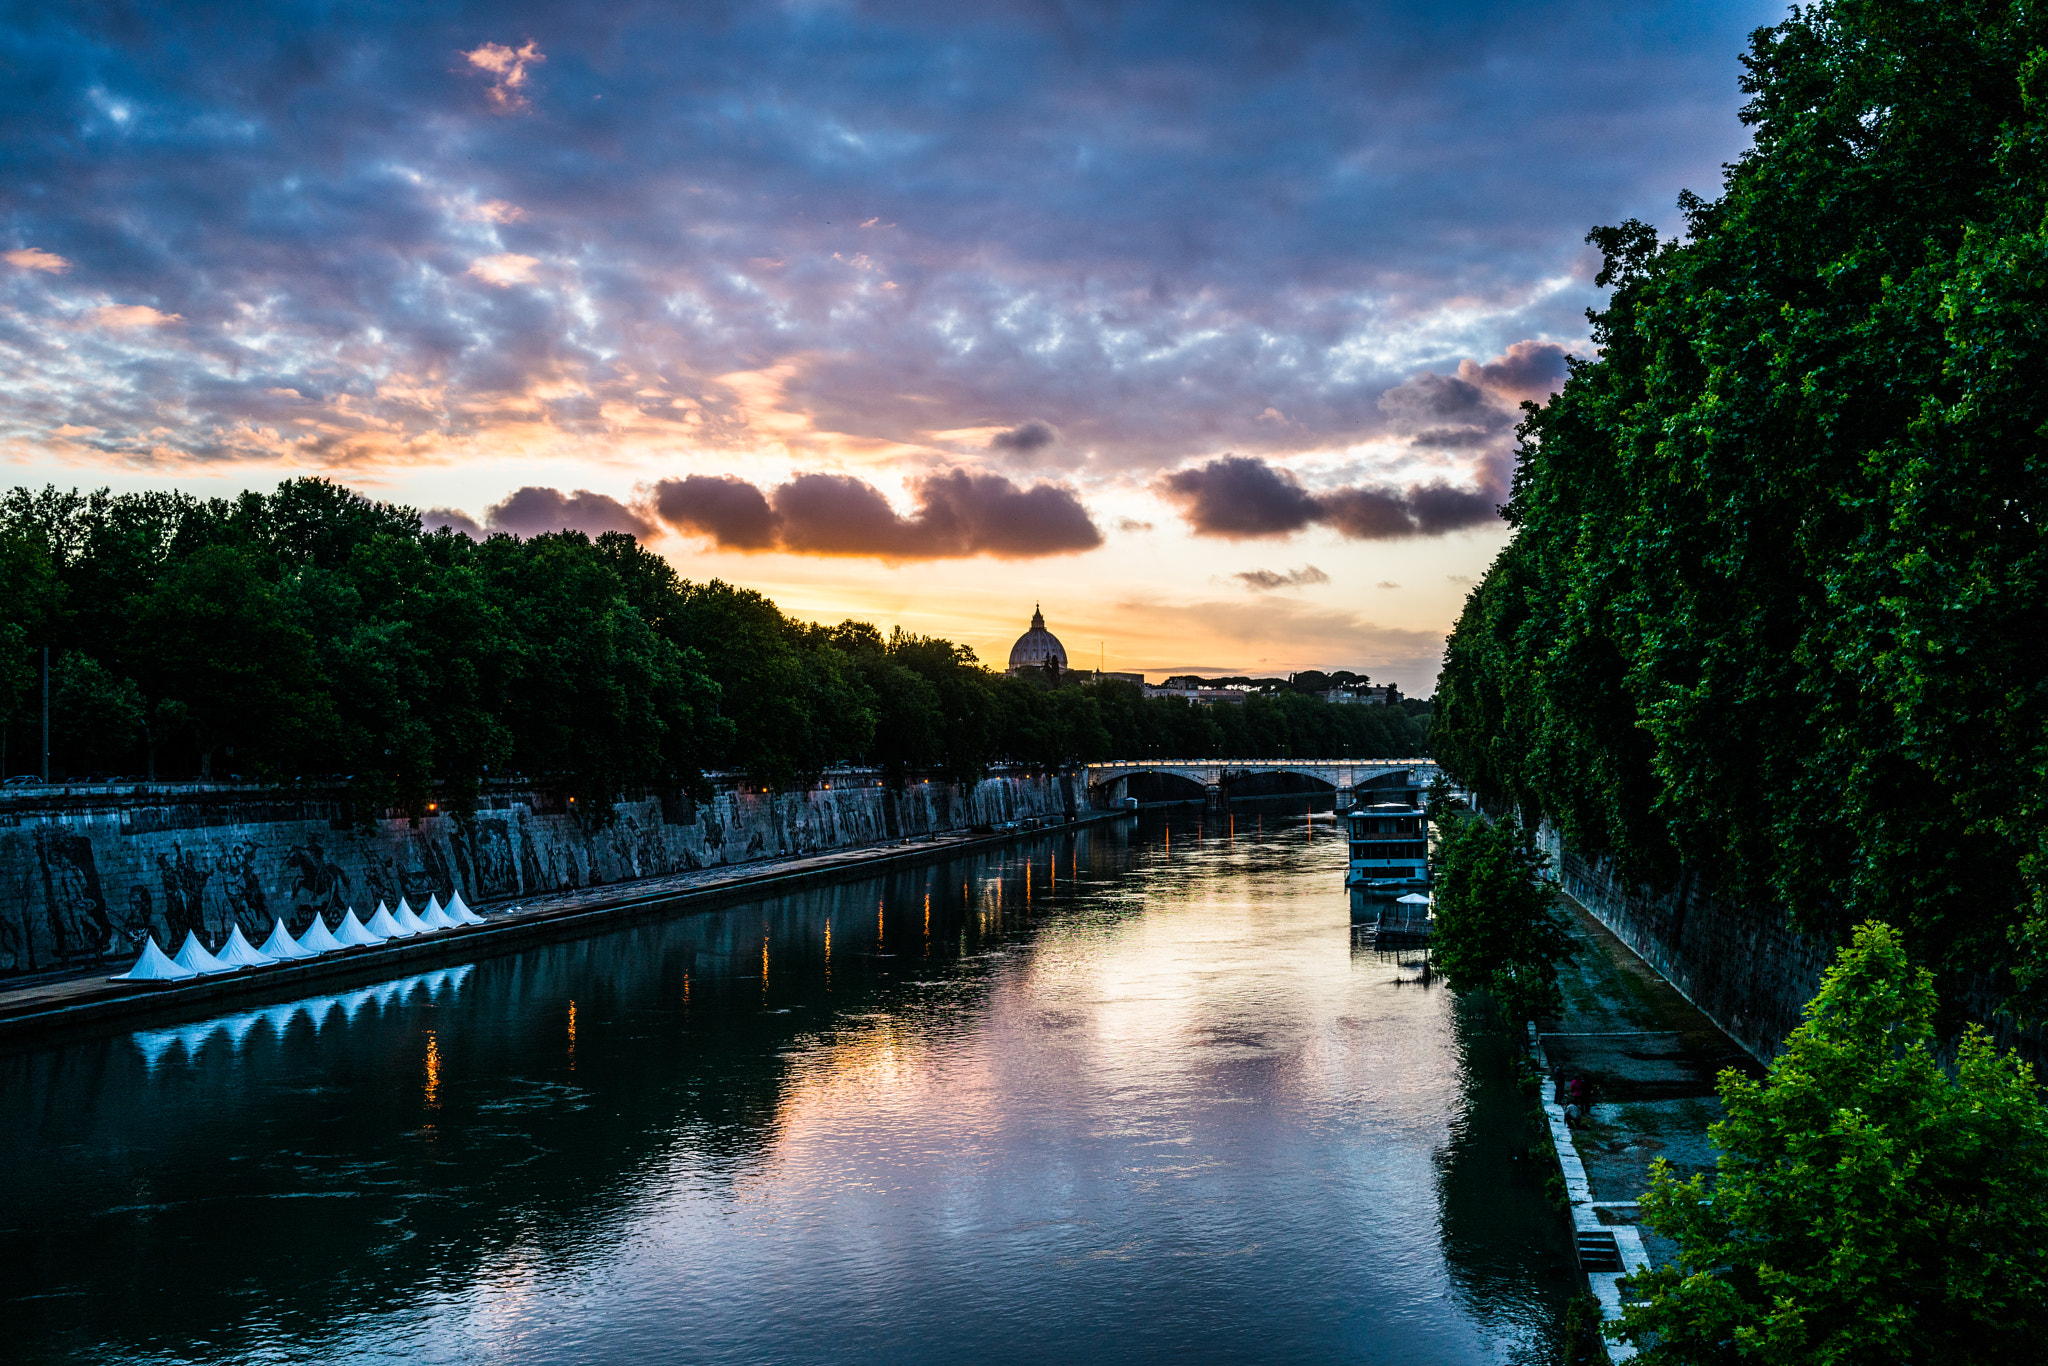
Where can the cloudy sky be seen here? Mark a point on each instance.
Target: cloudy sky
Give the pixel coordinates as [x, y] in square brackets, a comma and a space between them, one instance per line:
[1202, 324]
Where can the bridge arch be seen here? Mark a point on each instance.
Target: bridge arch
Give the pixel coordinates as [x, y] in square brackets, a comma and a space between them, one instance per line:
[1167, 780]
[1276, 782]
[1162, 785]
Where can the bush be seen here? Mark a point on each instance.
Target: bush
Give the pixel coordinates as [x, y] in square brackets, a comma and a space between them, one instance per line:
[1498, 929]
[1868, 1206]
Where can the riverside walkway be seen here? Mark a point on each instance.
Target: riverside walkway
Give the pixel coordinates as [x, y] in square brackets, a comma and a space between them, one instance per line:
[1651, 1058]
[35, 1011]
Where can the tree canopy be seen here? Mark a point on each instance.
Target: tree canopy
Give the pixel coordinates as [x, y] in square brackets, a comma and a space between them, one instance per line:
[314, 633]
[1868, 1205]
[1498, 927]
[1767, 618]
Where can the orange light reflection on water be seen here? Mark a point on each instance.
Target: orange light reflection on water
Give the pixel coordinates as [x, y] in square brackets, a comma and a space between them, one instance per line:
[432, 1092]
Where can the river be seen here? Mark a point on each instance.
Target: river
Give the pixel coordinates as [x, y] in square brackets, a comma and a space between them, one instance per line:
[1125, 1094]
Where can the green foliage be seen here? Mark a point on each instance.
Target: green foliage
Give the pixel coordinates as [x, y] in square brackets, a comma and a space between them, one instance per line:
[97, 716]
[217, 636]
[314, 633]
[1868, 1205]
[30, 596]
[1582, 1343]
[1497, 925]
[1767, 620]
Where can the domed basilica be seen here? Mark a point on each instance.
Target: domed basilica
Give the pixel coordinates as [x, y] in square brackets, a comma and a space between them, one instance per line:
[1038, 648]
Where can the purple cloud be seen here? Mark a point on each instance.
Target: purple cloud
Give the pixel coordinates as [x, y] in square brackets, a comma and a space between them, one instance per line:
[959, 513]
[532, 511]
[1026, 439]
[436, 518]
[725, 509]
[1267, 580]
[1241, 498]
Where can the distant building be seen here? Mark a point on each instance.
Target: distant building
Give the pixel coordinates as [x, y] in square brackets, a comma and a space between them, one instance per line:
[1381, 695]
[1038, 650]
[1191, 689]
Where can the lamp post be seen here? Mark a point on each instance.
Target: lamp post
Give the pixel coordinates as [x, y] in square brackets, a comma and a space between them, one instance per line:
[46, 716]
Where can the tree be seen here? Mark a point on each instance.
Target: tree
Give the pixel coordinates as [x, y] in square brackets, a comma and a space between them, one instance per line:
[1497, 925]
[592, 692]
[95, 716]
[962, 687]
[1764, 625]
[30, 597]
[218, 640]
[1868, 1205]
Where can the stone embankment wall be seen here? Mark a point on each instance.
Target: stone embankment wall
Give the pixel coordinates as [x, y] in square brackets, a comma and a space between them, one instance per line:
[84, 877]
[1745, 967]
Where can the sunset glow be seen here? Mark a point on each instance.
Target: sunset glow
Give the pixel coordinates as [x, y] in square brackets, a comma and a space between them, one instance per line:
[1207, 329]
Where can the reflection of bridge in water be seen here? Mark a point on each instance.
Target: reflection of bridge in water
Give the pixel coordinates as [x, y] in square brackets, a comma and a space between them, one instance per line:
[1217, 780]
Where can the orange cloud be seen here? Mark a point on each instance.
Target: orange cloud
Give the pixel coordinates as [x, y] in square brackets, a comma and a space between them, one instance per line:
[123, 316]
[509, 66]
[505, 268]
[35, 258]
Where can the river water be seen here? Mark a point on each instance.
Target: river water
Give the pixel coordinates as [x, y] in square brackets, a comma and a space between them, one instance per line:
[1125, 1094]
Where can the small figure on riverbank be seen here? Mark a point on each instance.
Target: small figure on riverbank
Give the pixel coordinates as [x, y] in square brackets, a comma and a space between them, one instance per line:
[1577, 1096]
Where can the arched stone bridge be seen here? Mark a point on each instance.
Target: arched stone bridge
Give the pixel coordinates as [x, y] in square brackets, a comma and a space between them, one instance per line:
[1109, 782]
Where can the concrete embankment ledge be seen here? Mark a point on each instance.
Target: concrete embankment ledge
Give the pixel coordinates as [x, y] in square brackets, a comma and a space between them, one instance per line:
[1649, 1060]
[43, 1012]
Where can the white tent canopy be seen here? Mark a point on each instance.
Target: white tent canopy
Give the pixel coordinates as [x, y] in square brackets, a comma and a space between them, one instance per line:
[155, 966]
[384, 927]
[192, 954]
[434, 918]
[282, 946]
[238, 952]
[458, 911]
[408, 919]
[318, 938]
[353, 933]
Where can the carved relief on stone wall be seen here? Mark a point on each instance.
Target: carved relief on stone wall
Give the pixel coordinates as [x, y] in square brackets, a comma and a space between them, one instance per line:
[184, 888]
[17, 924]
[75, 912]
[140, 922]
[320, 885]
[380, 881]
[494, 864]
[531, 875]
[430, 875]
[242, 890]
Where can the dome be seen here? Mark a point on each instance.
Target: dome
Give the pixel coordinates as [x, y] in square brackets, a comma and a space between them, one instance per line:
[1037, 646]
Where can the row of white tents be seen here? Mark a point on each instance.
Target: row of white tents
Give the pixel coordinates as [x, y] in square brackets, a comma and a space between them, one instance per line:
[384, 927]
[192, 1039]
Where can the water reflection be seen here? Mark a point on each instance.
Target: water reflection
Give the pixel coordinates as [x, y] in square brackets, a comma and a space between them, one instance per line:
[1128, 1093]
